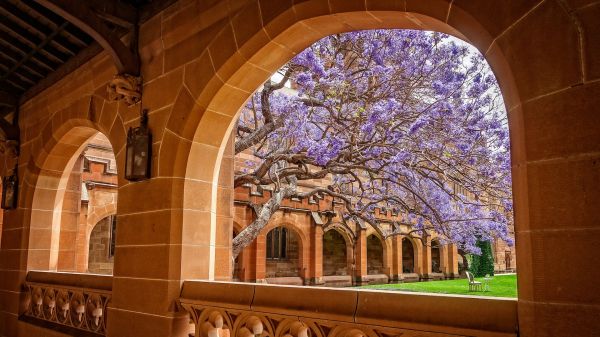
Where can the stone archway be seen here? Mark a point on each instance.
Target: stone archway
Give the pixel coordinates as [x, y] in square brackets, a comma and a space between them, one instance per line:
[283, 254]
[375, 255]
[335, 254]
[48, 174]
[234, 64]
[223, 90]
[408, 256]
[436, 257]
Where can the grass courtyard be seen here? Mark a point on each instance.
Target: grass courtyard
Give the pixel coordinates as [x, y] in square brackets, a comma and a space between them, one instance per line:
[500, 286]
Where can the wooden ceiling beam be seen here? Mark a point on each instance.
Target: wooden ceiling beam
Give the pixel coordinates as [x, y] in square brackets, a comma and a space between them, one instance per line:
[10, 57]
[44, 58]
[42, 29]
[81, 15]
[72, 32]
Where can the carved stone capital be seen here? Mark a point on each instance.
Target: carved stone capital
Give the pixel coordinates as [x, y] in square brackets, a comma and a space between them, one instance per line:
[125, 87]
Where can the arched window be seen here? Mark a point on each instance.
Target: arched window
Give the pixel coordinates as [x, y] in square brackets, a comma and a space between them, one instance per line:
[277, 243]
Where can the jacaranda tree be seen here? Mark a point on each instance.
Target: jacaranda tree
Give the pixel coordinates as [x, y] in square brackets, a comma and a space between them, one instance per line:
[394, 118]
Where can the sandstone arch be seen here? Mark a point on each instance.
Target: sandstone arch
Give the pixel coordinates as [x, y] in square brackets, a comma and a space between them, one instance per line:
[337, 253]
[212, 102]
[62, 138]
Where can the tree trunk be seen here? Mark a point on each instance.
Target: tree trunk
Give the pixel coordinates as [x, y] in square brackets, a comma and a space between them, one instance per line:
[249, 234]
[463, 254]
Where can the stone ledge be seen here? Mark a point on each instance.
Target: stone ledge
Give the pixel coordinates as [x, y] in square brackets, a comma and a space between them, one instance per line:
[455, 314]
[79, 280]
[235, 295]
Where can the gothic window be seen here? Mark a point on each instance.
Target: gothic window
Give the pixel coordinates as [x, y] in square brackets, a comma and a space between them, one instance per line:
[277, 243]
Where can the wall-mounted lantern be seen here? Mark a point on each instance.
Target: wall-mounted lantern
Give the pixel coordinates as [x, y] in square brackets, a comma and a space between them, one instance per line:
[138, 153]
[9, 191]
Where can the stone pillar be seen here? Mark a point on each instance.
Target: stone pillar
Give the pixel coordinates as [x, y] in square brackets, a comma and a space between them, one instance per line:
[451, 268]
[260, 256]
[316, 256]
[148, 270]
[13, 270]
[387, 257]
[426, 259]
[83, 244]
[69, 220]
[360, 257]
[396, 272]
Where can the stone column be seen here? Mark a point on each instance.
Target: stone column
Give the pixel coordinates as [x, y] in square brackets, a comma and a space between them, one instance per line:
[316, 256]
[426, 259]
[360, 257]
[396, 272]
[148, 269]
[83, 244]
[260, 256]
[69, 220]
[451, 268]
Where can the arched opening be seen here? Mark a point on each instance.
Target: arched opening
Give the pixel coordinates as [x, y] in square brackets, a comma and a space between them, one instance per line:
[436, 257]
[335, 257]
[102, 246]
[283, 249]
[408, 256]
[76, 189]
[229, 98]
[374, 255]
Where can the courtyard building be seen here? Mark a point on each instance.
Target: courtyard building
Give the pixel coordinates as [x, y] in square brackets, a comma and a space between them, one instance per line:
[76, 260]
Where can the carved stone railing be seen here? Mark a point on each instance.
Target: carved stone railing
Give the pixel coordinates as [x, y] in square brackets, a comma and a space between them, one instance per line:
[224, 309]
[70, 302]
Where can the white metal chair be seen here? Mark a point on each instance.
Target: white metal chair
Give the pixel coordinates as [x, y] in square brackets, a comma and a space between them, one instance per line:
[474, 285]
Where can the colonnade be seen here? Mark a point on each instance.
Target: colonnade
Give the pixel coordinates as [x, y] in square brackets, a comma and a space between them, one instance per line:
[252, 265]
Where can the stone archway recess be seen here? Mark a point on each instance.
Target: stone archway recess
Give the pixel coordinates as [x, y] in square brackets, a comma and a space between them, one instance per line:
[247, 50]
[303, 242]
[64, 136]
[213, 100]
[331, 265]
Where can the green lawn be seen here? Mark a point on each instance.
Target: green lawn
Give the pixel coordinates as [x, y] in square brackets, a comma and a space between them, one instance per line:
[500, 286]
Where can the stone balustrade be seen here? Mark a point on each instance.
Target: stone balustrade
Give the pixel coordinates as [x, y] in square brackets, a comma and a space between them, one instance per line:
[225, 309]
[69, 302]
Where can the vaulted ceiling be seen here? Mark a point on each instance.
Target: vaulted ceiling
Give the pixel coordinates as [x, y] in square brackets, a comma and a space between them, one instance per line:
[43, 40]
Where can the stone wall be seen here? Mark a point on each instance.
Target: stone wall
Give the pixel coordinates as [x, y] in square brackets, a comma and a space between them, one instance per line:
[374, 256]
[335, 260]
[99, 261]
[408, 257]
[288, 266]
